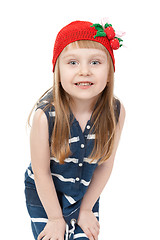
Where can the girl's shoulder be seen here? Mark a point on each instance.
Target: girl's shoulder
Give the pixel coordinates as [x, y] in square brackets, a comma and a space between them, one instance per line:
[46, 102]
[47, 106]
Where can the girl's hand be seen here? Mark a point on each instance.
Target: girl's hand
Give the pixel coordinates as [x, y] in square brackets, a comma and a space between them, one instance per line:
[54, 229]
[89, 224]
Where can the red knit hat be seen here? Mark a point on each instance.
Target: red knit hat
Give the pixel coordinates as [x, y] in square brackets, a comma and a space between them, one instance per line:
[82, 30]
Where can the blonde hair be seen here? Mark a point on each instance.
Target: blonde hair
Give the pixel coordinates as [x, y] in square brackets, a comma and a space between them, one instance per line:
[103, 116]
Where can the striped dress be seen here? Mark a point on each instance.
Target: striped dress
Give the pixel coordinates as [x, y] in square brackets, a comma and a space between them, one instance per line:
[71, 179]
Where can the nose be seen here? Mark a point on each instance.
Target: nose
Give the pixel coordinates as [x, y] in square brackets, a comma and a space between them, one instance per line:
[84, 70]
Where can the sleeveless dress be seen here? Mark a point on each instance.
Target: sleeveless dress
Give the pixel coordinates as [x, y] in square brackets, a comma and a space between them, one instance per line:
[71, 179]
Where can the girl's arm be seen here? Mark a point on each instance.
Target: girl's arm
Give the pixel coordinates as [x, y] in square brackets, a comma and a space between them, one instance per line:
[40, 161]
[103, 172]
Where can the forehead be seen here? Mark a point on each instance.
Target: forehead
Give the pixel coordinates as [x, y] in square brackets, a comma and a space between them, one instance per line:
[87, 44]
[84, 52]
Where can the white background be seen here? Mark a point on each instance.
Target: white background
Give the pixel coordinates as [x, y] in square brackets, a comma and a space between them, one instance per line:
[129, 207]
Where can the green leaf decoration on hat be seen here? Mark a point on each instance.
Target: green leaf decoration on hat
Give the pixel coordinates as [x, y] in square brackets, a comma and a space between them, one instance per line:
[100, 30]
[119, 39]
[107, 25]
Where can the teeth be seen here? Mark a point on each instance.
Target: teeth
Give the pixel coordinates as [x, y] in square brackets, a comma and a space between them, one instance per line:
[84, 84]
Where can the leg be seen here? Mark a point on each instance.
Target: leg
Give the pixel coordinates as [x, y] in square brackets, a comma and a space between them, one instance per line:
[36, 211]
[34, 230]
[38, 219]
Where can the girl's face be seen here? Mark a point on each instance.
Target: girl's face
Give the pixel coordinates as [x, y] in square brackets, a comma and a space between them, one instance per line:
[85, 66]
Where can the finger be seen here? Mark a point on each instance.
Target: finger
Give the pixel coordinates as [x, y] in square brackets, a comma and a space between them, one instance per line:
[46, 238]
[97, 229]
[94, 233]
[41, 235]
[98, 225]
[58, 238]
[89, 234]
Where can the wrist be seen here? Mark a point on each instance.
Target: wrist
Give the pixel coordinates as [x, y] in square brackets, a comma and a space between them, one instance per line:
[86, 209]
[54, 219]
[86, 205]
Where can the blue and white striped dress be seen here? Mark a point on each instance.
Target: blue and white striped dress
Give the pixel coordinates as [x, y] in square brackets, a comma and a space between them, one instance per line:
[71, 179]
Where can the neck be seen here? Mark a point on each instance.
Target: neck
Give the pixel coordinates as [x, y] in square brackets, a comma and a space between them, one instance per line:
[82, 107]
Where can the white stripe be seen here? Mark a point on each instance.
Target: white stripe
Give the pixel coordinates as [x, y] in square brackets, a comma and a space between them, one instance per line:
[79, 235]
[52, 114]
[96, 214]
[85, 182]
[63, 179]
[30, 174]
[73, 211]
[74, 139]
[44, 220]
[54, 159]
[70, 199]
[71, 231]
[69, 179]
[43, 101]
[74, 160]
[88, 160]
[67, 229]
[91, 136]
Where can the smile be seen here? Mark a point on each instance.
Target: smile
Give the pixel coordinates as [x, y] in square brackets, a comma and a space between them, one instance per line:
[84, 84]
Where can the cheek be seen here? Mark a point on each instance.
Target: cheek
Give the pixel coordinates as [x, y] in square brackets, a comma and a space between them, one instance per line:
[103, 75]
[62, 76]
[63, 82]
[64, 73]
[64, 79]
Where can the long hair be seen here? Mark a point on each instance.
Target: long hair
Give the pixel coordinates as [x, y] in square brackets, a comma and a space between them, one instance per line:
[103, 116]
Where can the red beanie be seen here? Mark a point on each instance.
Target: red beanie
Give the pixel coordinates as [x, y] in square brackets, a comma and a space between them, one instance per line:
[79, 30]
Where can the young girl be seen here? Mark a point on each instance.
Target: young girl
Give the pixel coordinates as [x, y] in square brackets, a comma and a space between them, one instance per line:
[74, 135]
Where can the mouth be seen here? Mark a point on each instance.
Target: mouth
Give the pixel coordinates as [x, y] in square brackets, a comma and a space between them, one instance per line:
[84, 84]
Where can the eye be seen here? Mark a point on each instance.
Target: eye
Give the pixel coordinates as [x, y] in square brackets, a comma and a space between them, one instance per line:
[72, 62]
[95, 62]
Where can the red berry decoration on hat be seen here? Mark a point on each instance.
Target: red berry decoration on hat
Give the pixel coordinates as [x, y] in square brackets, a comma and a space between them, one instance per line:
[109, 32]
[114, 43]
